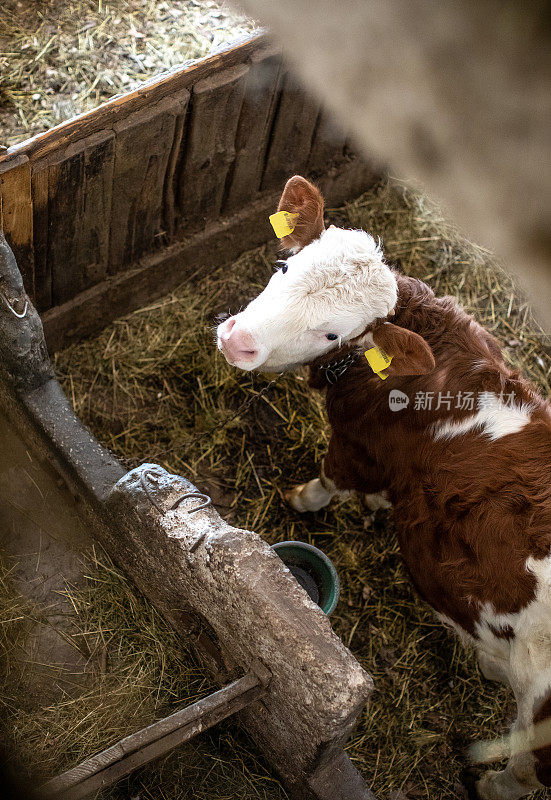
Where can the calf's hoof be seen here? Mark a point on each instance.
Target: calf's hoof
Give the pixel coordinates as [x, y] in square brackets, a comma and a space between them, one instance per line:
[295, 498]
[512, 783]
[491, 670]
[376, 501]
[487, 787]
[469, 777]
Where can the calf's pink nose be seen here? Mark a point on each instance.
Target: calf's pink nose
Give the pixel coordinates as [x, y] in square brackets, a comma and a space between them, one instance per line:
[237, 344]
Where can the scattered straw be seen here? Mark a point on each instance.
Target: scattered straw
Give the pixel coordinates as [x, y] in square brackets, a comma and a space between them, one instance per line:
[150, 387]
[139, 671]
[62, 57]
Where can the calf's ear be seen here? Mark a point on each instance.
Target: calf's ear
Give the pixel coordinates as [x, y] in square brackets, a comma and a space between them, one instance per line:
[411, 355]
[303, 198]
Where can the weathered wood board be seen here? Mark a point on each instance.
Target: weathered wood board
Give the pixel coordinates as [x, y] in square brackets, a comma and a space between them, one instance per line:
[292, 134]
[143, 145]
[16, 218]
[209, 148]
[79, 208]
[327, 144]
[158, 739]
[40, 205]
[257, 113]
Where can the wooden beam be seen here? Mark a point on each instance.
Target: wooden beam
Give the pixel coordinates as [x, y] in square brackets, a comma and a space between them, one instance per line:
[109, 766]
[253, 132]
[78, 215]
[291, 139]
[143, 149]
[327, 145]
[210, 145]
[42, 266]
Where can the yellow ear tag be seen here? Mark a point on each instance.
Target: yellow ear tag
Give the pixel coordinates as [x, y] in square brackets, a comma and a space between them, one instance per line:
[378, 360]
[283, 223]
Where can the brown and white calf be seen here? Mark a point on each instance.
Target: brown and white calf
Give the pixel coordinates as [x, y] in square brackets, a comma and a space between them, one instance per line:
[459, 443]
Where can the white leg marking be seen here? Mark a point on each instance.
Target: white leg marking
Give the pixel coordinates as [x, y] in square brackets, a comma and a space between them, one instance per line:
[309, 496]
[515, 781]
[376, 501]
[315, 494]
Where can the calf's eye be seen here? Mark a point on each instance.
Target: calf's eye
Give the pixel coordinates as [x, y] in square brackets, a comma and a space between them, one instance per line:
[331, 336]
[282, 266]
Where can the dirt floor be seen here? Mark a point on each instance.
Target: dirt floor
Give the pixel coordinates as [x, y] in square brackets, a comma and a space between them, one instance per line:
[59, 58]
[153, 388]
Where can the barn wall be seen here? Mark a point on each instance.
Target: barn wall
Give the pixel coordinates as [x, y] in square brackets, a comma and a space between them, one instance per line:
[119, 205]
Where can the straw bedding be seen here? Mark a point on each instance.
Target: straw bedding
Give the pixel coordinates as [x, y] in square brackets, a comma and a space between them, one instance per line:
[59, 58]
[152, 387]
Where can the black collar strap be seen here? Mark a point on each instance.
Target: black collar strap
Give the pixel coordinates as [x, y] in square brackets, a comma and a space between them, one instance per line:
[335, 369]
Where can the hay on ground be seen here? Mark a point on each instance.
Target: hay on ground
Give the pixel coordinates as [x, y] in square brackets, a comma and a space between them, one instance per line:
[140, 671]
[62, 57]
[153, 388]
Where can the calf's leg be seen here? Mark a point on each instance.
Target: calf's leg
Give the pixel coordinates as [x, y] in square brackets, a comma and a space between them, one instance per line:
[529, 768]
[517, 780]
[315, 494]
[341, 475]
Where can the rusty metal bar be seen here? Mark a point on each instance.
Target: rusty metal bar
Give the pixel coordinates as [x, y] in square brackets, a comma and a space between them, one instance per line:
[109, 766]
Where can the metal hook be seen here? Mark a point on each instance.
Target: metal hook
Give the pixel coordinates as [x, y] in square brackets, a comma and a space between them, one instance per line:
[198, 495]
[12, 309]
[154, 478]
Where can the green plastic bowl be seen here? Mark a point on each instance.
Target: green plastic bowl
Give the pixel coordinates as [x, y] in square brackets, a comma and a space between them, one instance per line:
[313, 570]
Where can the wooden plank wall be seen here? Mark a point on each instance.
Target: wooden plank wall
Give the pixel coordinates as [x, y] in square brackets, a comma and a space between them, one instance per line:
[85, 202]
[143, 145]
[210, 147]
[16, 217]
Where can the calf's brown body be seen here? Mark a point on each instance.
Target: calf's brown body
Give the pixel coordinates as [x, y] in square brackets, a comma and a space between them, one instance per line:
[468, 511]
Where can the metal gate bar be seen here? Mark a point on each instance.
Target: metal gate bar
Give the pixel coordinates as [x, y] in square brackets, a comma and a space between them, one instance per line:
[156, 740]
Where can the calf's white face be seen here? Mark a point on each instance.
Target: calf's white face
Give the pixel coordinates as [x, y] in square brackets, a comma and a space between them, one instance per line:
[323, 295]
